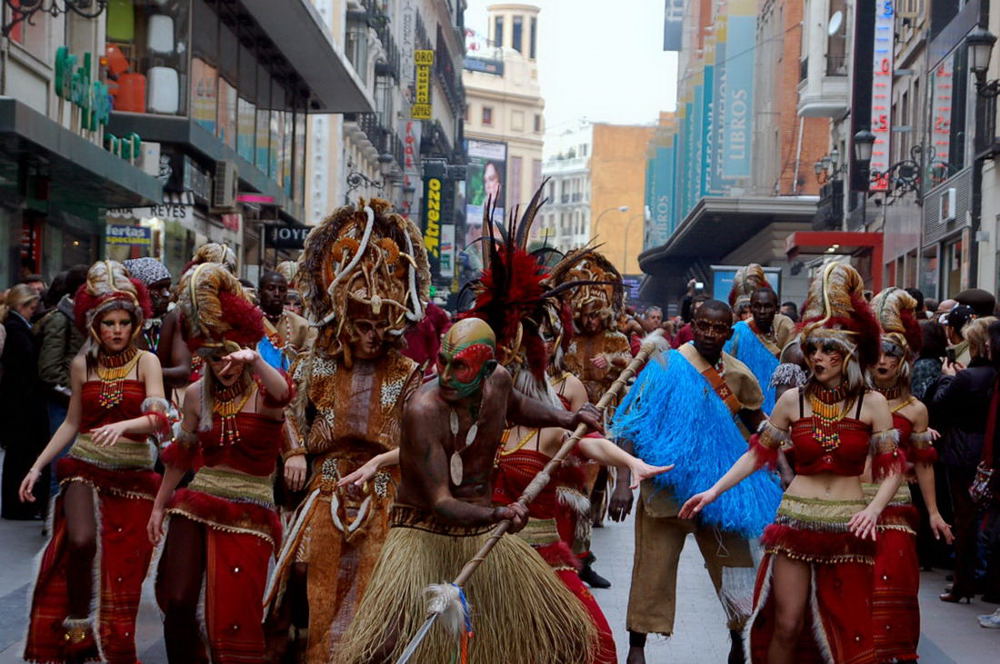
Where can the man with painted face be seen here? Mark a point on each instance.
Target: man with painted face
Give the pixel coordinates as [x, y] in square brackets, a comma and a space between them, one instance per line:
[286, 334]
[694, 406]
[452, 429]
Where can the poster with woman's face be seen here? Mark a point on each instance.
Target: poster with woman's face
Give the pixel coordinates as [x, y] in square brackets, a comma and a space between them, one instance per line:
[484, 182]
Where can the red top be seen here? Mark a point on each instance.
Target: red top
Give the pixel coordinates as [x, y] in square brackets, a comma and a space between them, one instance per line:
[93, 415]
[905, 428]
[847, 459]
[257, 451]
[516, 470]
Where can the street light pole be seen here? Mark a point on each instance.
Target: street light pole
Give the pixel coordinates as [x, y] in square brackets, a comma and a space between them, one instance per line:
[628, 225]
[593, 229]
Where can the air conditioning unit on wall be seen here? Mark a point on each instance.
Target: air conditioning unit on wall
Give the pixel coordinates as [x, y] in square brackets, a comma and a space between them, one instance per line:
[946, 206]
[225, 186]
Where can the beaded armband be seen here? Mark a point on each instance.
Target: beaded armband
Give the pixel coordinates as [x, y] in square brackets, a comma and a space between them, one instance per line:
[766, 443]
[887, 458]
[157, 408]
[922, 448]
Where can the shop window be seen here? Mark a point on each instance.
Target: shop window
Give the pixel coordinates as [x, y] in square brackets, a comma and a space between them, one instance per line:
[146, 56]
[277, 143]
[204, 93]
[226, 126]
[262, 158]
[487, 116]
[288, 142]
[246, 128]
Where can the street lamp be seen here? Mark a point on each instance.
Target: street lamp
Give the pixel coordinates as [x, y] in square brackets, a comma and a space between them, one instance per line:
[864, 142]
[980, 47]
[593, 229]
[628, 225]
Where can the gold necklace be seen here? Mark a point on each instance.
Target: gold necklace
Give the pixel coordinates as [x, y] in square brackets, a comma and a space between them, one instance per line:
[112, 370]
[228, 407]
[826, 419]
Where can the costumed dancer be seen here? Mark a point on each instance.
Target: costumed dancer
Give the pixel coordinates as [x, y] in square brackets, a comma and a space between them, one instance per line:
[694, 406]
[596, 354]
[223, 526]
[286, 334]
[813, 596]
[896, 610]
[364, 273]
[757, 341]
[444, 514]
[86, 595]
[155, 276]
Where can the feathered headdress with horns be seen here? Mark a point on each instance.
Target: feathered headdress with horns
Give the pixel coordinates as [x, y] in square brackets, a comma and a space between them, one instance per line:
[896, 312]
[598, 283]
[213, 252]
[109, 286]
[363, 262]
[745, 282]
[836, 309]
[215, 312]
[516, 293]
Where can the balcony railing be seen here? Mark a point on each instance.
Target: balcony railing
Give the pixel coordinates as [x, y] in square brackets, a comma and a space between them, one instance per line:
[384, 139]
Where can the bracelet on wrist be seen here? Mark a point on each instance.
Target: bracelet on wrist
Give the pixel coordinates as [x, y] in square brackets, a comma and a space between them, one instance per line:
[294, 452]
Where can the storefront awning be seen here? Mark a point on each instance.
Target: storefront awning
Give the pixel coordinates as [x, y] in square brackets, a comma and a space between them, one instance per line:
[298, 30]
[823, 243]
[75, 167]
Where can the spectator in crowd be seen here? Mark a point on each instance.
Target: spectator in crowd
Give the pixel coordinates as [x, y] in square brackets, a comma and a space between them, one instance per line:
[791, 310]
[927, 368]
[293, 302]
[22, 409]
[958, 345]
[943, 308]
[982, 302]
[991, 529]
[156, 278]
[958, 402]
[918, 295]
[930, 306]
[652, 319]
[59, 341]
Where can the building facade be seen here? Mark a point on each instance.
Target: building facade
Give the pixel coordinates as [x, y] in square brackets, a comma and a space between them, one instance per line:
[565, 220]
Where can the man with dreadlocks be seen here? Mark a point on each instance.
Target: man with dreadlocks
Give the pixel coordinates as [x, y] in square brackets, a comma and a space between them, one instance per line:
[758, 340]
[596, 355]
[364, 275]
[452, 429]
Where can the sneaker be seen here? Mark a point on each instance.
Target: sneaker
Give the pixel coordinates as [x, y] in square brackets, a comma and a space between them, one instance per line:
[990, 621]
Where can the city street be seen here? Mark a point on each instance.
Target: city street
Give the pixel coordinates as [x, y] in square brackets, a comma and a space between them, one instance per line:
[950, 635]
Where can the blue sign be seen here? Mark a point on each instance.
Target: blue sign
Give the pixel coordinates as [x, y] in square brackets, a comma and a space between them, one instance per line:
[741, 40]
[131, 235]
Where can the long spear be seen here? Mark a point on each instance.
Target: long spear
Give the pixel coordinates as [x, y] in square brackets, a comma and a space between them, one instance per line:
[447, 598]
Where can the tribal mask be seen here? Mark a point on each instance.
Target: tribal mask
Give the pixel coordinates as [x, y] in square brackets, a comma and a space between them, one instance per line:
[467, 357]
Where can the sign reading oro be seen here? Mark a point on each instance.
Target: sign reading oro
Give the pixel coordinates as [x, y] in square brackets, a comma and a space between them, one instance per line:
[421, 107]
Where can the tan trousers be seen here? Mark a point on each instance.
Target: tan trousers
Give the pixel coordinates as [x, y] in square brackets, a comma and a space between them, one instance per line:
[659, 539]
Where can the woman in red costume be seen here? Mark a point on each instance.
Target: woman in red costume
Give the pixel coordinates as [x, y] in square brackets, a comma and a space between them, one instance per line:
[223, 527]
[523, 454]
[896, 610]
[98, 545]
[813, 597]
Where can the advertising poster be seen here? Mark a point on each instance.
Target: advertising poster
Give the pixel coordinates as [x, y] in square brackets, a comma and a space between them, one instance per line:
[486, 177]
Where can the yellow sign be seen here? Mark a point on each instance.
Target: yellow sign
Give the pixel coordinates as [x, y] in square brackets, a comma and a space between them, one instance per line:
[421, 107]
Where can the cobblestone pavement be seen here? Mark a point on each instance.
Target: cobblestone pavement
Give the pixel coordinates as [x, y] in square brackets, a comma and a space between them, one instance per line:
[951, 634]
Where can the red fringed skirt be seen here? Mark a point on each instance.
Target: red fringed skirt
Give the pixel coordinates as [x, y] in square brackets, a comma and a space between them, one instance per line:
[838, 624]
[124, 500]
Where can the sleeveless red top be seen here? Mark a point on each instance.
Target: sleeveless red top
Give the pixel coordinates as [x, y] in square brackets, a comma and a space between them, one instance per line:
[256, 452]
[93, 415]
[847, 459]
[516, 471]
[905, 429]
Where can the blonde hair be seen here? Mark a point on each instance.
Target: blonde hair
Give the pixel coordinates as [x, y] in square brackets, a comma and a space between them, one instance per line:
[977, 334]
[17, 297]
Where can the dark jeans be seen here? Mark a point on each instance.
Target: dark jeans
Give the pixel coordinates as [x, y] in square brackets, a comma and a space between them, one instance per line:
[965, 527]
[57, 413]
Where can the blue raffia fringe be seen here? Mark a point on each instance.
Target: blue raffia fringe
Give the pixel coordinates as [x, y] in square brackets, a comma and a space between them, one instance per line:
[672, 415]
[751, 352]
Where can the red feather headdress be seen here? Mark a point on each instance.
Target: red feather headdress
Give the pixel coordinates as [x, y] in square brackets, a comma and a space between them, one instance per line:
[836, 308]
[215, 311]
[108, 283]
[896, 311]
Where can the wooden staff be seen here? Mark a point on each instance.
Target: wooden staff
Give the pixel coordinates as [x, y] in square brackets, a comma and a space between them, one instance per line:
[650, 344]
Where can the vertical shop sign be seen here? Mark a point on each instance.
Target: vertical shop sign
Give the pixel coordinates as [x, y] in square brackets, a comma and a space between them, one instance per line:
[421, 107]
[882, 66]
[741, 36]
[941, 110]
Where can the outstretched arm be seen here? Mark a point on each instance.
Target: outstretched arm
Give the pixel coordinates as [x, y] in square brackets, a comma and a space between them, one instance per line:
[605, 452]
[533, 413]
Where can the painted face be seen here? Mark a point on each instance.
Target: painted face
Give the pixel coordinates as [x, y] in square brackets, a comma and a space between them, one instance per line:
[825, 358]
[466, 359]
[225, 372]
[159, 293]
[114, 329]
[371, 338]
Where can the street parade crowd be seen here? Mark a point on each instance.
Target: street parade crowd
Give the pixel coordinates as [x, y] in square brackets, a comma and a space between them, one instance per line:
[327, 466]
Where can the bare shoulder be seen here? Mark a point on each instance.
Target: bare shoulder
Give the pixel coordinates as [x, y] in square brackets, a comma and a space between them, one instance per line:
[788, 399]
[875, 399]
[148, 360]
[501, 378]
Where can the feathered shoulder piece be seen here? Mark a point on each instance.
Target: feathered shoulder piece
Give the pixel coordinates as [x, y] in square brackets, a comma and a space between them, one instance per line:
[896, 311]
[364, 261]
[215, 311]
[108, 282]
[836, 309]
[598, 282]
[747, 279]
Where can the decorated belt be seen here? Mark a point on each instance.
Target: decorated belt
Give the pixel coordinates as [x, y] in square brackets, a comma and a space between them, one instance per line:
[901, 497]
[418, 518]
[816, 513]
[123, 455]
[540, 532]
[234, 485]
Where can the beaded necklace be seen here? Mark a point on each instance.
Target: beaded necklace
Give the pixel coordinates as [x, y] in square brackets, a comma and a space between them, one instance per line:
[112, 370]
[890, 393]
[227, 403]
[826, 416]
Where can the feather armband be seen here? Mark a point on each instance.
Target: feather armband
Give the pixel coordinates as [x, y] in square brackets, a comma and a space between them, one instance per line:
[922, 448]
[887, 457]
[271, 401]
[157, 408]
[183, 451]
[766, 443]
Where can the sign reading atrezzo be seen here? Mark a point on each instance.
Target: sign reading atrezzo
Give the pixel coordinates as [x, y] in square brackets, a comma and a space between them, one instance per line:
[421, 107]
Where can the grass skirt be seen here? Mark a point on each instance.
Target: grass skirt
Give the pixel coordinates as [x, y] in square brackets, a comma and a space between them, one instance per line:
[521, 611]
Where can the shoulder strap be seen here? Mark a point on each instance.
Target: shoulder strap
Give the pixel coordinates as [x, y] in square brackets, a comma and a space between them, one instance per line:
[861, 402]
[802, 404]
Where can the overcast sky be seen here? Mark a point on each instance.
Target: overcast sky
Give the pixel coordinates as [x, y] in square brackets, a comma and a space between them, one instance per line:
[599, 60]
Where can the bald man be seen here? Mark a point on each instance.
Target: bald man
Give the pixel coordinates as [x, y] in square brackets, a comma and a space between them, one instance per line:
[452, 428]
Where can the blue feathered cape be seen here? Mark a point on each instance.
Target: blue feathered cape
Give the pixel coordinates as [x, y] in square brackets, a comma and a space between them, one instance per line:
[672, 415]
[751, 352]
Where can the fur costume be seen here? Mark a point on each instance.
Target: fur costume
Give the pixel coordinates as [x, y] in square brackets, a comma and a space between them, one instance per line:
[747, 348]
[362, 262]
